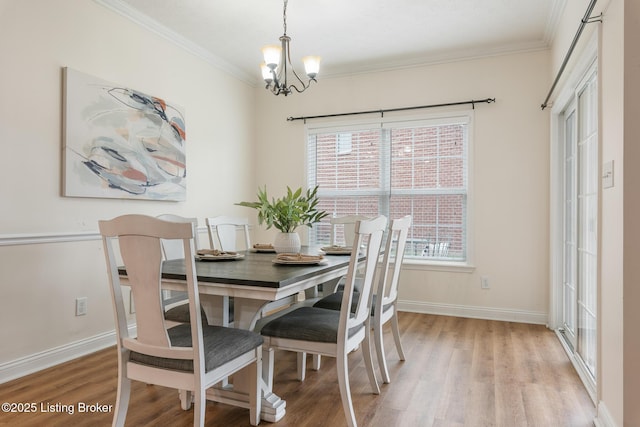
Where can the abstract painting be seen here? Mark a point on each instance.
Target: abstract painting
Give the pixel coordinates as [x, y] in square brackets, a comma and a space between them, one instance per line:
[121, 143]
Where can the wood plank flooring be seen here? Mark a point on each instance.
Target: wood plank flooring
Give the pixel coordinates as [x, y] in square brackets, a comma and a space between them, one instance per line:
[458, 372]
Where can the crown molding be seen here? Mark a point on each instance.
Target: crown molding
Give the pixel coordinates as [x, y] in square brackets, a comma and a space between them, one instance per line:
[154, 26]
[445, 58]
[557, 8]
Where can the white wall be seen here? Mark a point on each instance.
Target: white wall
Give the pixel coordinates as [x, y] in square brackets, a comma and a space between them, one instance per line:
[510, 178]
[40, 282]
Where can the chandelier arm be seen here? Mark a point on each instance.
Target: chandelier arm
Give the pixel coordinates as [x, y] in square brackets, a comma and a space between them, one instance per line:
[293, 71]
[305, 86]
[276, 81]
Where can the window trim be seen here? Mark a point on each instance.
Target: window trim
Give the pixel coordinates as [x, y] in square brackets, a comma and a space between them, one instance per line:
[414, 120]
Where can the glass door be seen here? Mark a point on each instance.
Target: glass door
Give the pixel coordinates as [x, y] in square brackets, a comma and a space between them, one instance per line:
[569, 282]
[587, 213]
[580, 226]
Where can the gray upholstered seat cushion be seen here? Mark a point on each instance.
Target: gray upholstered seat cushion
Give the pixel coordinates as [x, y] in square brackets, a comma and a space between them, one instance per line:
[307, 324]
[334, 302]
[180, 313]
[221, 345]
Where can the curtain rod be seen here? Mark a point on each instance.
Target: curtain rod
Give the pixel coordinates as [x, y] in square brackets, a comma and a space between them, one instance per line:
[587, 19]
[381, 111]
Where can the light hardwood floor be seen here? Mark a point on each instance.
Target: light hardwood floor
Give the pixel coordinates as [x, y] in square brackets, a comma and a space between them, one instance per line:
[458, 372]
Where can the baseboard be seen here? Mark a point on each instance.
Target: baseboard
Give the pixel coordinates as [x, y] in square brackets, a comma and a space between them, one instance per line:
[604, 418]
[506, 315]
[55, 356]
[46, 359]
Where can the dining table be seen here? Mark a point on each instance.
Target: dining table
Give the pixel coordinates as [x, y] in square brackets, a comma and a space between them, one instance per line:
[253, 279]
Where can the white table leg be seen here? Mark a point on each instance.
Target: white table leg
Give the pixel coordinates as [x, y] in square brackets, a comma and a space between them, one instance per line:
[216, 308]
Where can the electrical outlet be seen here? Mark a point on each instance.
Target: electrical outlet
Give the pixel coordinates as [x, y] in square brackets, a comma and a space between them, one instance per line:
[484, 282]
[81, 306]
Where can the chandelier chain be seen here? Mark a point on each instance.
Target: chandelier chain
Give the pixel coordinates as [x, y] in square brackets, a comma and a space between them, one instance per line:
[284, 16]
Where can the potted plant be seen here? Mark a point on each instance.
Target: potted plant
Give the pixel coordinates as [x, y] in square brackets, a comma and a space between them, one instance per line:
[286, 214]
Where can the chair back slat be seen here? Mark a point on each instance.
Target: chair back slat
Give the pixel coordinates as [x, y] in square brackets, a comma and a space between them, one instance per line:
[392, 261]
[223, 233]
[172, 248]
[368, 233]
[140, 239]
[142, 256]
[348, 224]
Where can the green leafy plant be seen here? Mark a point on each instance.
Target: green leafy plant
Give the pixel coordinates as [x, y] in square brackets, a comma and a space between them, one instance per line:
[289, 212]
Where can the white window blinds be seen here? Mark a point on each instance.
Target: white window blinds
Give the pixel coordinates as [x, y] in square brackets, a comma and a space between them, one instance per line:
[397, 168]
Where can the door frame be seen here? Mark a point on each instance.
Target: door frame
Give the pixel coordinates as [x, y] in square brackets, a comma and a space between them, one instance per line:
[585, 64]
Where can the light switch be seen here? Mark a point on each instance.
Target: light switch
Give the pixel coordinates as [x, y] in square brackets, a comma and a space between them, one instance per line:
[607, 174]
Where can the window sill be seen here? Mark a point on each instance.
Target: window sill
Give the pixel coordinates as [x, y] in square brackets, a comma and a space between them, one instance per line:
[453, 267]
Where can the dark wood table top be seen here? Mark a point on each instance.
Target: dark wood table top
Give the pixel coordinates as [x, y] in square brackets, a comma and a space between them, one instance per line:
[255, 269]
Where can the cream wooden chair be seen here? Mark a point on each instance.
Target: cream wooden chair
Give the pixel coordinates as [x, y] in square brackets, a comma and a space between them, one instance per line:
[342, 234]
[172, 249]
[436, 250]
[384, 309]
[176, 304]
[347, 223]
[386, 298]
[190, 356]
[223, 233]
[337, 333]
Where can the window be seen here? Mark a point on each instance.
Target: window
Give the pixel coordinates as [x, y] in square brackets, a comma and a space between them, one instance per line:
[396, 168]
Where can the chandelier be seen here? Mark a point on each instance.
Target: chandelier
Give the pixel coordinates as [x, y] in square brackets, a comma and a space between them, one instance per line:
[277, 64]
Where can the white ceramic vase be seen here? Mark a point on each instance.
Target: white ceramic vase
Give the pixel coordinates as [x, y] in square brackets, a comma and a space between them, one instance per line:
[287, 243]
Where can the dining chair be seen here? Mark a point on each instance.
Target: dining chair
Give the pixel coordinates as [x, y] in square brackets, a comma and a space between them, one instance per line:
[190, 356]
[336, 333]
[386, 298]
[343, 227]
[436, 249]
[383, 309]
[176, 304]
[223, 233]
[172, 249]
[342, 234]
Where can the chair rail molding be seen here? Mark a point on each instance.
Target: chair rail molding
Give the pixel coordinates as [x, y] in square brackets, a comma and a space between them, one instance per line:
[55, 237]
[39, 238]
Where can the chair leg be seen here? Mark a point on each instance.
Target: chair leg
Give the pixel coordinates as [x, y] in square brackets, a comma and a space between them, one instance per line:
[302, 365]
[122, 402]
[199, 407]
[396, 335]
[382, 361]
[255, 395]
[316, 362]
[345, 392]
[368, 361]
[186, 397]
[268, 356]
